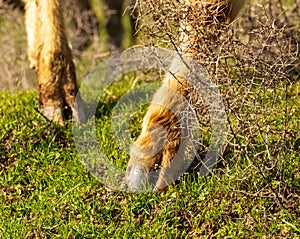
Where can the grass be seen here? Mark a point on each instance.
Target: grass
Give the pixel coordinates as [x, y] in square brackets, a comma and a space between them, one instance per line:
[46, 192]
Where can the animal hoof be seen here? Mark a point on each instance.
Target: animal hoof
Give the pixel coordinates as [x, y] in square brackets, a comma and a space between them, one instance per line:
[139, 179]
[53, 113]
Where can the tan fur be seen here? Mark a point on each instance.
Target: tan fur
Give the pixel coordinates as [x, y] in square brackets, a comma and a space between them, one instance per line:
[230, 7]
[143, 150]
[50, 54]
[225, 10]
[31, 25]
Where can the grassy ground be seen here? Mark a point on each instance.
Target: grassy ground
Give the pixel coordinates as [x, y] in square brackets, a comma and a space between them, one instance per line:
[45, 191]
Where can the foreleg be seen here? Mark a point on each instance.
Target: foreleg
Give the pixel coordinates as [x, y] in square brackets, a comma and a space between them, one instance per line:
[56, 76]
[149, 150]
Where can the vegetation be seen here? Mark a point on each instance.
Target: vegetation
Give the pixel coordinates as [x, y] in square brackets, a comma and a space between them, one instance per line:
[254, 192]
[47, 193]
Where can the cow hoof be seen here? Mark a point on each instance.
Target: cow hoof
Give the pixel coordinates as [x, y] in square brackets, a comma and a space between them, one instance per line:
[140, 179]
[53, 113]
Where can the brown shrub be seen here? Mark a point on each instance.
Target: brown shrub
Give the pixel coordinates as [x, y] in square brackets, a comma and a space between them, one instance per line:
[255, 61]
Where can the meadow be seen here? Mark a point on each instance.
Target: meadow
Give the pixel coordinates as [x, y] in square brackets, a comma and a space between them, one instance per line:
[254, 192]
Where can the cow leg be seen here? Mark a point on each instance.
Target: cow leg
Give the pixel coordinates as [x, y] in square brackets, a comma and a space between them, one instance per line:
[31, 22]
[56, 77]
[148, 151]
[161, 135]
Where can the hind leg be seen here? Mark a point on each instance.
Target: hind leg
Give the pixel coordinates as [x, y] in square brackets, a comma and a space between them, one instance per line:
[31, 21]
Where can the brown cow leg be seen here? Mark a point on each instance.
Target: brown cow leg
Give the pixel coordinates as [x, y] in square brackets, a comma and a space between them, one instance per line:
[53, 58]
[160, 138]
[148, 150]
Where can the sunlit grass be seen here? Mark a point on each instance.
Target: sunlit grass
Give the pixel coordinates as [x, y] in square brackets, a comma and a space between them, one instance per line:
[46, 192]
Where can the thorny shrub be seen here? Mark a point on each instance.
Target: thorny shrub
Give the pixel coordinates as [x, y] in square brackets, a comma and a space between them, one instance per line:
[255, 62]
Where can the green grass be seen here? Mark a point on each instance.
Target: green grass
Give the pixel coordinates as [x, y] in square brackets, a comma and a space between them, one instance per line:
[45, 192]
